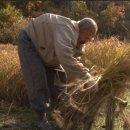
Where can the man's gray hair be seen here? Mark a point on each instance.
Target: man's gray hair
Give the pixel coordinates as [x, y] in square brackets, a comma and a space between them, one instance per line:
[88, 23]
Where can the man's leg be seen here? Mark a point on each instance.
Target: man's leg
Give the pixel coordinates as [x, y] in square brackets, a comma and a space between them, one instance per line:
[50, 80]
[56, 78]
[34, 73]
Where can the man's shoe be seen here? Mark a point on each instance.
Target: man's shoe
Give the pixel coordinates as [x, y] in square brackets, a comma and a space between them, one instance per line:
[44, 125]
[42, 122]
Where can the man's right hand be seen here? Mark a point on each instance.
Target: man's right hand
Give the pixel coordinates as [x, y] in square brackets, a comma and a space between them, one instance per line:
[91, 85]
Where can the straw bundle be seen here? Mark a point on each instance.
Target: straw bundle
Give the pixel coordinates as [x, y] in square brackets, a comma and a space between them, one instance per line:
[126, 118]
[81, 105]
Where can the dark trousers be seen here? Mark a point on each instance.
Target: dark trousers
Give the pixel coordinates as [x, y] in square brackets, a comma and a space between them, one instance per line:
[38, 77]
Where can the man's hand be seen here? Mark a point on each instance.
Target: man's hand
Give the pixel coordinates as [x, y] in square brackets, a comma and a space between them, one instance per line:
[90, 85]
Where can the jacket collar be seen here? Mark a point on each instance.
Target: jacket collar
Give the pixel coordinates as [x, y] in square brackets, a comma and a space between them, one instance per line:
[76, 31]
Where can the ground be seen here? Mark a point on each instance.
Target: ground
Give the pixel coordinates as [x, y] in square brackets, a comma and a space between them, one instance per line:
[19, 118]
[13, 117]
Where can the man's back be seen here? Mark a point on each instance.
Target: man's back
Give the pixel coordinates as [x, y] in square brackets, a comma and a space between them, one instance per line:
[42, 31]
[45, 23]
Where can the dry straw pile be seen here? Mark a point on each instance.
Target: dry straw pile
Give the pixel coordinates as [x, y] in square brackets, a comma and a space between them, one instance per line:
[110, 63]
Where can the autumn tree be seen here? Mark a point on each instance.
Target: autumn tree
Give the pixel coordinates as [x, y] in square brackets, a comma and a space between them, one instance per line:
[110, 17]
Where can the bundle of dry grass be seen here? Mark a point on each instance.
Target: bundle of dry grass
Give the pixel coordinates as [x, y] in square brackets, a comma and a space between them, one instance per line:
[111, 60]
[12, 86]
[126, 118]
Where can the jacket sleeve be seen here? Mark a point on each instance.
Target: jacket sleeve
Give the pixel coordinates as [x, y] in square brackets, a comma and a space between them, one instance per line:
[64, 51]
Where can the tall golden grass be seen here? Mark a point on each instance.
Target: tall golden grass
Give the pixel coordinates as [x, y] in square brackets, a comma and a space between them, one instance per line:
[103, 53]
[12, 86]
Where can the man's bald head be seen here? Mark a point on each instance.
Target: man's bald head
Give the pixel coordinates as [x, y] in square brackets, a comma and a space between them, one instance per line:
[87, 30]
[88, 23]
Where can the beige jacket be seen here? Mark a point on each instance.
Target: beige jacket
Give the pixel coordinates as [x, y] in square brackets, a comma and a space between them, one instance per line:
[55, 38]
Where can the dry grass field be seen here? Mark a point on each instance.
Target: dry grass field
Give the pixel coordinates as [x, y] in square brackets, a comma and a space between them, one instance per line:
[99, 57]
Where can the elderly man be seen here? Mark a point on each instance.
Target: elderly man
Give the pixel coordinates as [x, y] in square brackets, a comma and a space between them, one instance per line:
[45, 43]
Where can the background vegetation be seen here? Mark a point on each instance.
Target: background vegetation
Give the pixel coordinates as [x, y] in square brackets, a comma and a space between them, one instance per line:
[113, 18]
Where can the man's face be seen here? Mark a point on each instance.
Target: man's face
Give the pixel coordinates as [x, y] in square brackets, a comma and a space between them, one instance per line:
[85, 36]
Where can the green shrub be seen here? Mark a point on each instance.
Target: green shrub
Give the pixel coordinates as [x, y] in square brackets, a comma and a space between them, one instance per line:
[11, 21]
[9, 34]
[109, 19]
[9, 15]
